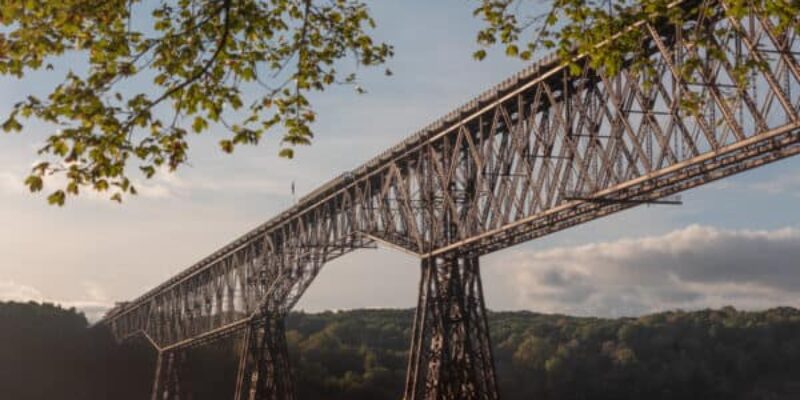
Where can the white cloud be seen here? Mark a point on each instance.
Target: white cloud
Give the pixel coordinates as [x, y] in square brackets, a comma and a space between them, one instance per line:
[11, 183]
[91, 309]
[690, 268]
[167, 184]
[781, 184]
[164, 185]
[95, 292]
[13, 291]
[154, 190]
[94, 306]
[776, 185]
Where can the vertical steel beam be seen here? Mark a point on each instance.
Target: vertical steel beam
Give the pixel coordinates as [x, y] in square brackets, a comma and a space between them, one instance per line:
[242, 376]
[159, 378]
[451, 355]
[170, 382]
[264, 368]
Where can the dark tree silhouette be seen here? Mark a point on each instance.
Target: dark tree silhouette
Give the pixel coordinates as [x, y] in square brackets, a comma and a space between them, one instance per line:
[47, 352]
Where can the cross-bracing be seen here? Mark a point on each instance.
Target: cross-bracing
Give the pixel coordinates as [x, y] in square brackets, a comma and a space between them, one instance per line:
[542, 151]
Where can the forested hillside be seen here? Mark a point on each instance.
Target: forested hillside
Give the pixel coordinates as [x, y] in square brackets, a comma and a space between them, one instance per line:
[50, 353]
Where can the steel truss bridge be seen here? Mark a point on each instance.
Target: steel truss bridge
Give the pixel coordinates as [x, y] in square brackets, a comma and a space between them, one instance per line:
[542, 151]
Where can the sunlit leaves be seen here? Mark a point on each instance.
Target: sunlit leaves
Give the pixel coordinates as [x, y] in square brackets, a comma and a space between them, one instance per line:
[287, 153]
[512, 50]
[611, 37]
[57, 198]
[184, 70]
[11, 124]
[34, 183]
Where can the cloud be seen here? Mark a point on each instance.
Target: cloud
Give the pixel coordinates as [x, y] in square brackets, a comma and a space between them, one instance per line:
[13, 291]
[94, 306]
[690, 268]
[11, 183]
[781, 184]
[91, 309]
[166, 185]
[776, 185]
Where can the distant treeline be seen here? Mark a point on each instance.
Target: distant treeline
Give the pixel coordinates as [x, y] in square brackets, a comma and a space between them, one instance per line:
[47, 352]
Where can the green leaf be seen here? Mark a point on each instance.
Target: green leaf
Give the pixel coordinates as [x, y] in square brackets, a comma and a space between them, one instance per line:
[226, 145]
[148, 171]
[101, 185]
[57, 198]
[34, 183]
[197, 64]
[574, 68]
[200, 124]
[11, 125]
[512, 50]
[286, 153]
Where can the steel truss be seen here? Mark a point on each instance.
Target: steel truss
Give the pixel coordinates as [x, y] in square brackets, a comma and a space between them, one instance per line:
[451, 355]
[542, 151]
[264, 370]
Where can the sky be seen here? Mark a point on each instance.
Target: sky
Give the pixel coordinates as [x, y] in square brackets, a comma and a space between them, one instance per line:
[734, 242]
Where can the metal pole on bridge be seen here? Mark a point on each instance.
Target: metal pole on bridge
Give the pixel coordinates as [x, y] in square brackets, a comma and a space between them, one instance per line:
[170, 382]
[157, 381]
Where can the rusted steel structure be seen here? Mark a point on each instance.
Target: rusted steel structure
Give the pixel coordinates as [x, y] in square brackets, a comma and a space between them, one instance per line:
[542, 151]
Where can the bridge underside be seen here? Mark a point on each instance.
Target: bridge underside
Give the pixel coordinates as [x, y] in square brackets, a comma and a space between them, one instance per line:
[541, 152]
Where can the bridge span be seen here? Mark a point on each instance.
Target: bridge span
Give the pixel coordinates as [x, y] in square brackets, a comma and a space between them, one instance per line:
[544, 150]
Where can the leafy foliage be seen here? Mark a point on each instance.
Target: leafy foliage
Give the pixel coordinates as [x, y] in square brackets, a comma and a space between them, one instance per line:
[608, 31]
[157, 73]
[197, 57]
[611, 35]
[48, 353]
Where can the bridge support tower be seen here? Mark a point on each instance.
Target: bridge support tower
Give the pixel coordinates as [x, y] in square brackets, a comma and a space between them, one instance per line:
[264, 368]
[170, 382]
[451, 354]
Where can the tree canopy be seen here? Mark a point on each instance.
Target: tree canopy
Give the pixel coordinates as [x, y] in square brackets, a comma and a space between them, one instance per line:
[48, 353]
[158, 71]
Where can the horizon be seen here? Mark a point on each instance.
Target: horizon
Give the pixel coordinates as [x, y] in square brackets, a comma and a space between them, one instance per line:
[723, 308]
